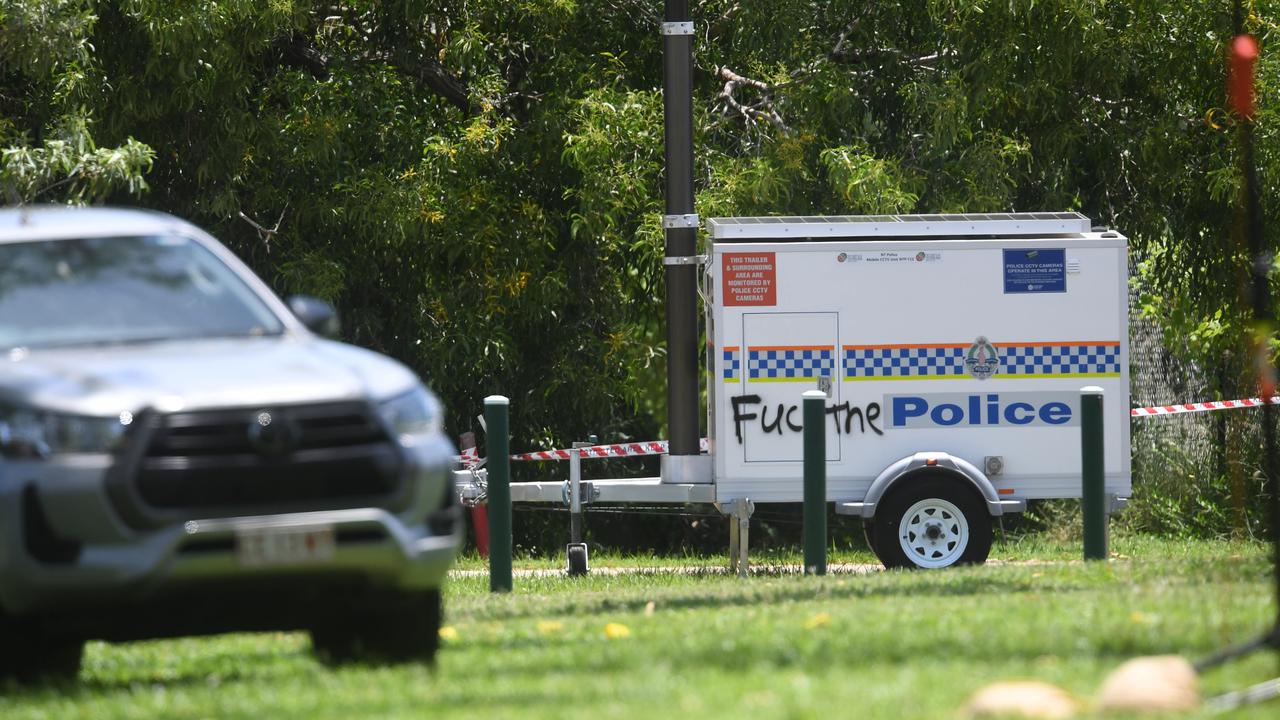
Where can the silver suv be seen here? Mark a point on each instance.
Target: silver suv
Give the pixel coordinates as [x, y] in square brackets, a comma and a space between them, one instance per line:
[181, 453]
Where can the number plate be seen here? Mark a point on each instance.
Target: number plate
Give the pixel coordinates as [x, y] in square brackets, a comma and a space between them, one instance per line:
[285, 546]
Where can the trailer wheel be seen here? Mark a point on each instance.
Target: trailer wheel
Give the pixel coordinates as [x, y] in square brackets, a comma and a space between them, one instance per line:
[933, 522]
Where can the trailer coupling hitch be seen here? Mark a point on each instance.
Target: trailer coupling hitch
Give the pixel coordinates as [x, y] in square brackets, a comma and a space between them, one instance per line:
[587, 493]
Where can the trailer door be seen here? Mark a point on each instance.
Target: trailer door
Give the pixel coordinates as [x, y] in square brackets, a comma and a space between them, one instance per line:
[784, 354]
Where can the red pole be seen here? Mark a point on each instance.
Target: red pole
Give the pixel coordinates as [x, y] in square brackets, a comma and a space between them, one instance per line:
[1240, 88]
[1242, 93]
[480, 522]
[479, 513]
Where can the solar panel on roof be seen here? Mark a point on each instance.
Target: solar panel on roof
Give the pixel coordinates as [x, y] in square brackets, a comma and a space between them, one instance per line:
[931, 225]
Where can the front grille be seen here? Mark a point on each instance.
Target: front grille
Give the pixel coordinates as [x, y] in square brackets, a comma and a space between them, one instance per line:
[330, 455]
[224, 432]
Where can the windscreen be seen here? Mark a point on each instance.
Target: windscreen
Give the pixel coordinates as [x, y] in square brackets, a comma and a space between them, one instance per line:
[94, 291]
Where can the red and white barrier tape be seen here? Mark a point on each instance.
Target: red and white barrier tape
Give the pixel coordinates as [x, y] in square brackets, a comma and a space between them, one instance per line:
[470, 457]
[1201, 407]
[655, 447]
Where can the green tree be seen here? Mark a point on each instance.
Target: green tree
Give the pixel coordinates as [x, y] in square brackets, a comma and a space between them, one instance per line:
[47, 150]
[477, 185]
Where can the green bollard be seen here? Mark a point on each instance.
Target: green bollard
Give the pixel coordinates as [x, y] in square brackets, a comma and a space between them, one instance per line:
[498, 455]
[815, 483]
[1093, 498]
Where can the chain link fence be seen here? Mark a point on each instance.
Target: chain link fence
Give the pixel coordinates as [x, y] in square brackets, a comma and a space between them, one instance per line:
[1195, 473]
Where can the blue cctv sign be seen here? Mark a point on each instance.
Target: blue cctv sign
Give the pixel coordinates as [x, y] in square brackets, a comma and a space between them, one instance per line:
[1035, 271]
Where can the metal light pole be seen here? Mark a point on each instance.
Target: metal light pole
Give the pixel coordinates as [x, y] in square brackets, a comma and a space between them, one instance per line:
[681, 229]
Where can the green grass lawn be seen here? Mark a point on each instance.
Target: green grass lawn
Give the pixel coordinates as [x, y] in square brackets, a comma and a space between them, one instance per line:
[899, 644]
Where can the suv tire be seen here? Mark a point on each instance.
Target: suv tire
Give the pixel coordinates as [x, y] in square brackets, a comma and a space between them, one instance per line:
[404, 630]
[28, 654]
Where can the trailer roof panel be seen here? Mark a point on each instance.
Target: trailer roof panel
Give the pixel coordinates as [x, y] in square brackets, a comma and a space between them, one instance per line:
[869, 226]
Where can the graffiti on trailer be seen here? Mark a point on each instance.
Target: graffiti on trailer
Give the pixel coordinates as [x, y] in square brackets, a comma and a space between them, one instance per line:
[842, 415]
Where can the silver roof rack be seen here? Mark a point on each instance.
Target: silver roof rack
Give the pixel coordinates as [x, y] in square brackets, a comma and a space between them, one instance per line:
[868, 226]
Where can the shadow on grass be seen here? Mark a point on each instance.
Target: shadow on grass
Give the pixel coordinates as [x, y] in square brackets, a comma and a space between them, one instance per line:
[206, 670]
[530, 659]
[774, 587]
[744, 595]
[441, 688]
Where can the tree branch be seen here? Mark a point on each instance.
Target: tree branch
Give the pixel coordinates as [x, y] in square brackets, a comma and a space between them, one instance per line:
[265, 233]
[414, 60]
[838, 50]
[296, 51]
[761, 109]
[429, 72]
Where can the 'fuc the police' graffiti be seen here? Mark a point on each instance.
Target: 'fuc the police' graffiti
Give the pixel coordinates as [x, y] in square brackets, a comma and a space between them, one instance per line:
[784, 420]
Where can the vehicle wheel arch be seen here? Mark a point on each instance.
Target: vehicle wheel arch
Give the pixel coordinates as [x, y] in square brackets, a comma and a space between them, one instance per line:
[931, 464]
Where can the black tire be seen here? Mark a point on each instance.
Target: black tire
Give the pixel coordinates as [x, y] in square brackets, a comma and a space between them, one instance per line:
[943, 539]
[576, 555]
[405, 629]
[29, 655]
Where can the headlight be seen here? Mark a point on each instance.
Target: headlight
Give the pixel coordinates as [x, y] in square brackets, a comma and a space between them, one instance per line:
[30, 433]
[411, 415]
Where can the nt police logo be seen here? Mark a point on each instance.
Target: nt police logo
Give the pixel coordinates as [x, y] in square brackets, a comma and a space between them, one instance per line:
[982, 361]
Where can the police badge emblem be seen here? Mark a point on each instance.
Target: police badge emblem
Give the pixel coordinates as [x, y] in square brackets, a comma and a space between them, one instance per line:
[982, 361]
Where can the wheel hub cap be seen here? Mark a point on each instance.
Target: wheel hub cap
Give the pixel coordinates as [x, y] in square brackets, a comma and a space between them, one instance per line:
[933, 533]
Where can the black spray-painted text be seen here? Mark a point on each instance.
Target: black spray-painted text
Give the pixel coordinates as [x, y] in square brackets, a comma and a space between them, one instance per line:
[842, 415]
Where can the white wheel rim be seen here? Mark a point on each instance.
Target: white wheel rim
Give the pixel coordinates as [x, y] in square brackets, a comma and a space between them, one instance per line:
[933, 533]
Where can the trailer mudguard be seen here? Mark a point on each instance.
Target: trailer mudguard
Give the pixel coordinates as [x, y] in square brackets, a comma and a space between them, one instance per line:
[931, 461]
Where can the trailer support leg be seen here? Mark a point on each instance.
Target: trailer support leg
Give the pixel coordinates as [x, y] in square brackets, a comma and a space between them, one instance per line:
[732, 545]
[576, 551]
[739, 512]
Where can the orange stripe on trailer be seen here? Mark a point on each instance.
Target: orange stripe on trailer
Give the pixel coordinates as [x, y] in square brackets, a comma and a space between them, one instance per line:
[997, 343]
[729, 348]
[789, 347]
[906, 346]
[1056, 343]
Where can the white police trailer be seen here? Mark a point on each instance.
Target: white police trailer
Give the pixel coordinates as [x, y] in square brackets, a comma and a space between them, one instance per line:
[952, 350]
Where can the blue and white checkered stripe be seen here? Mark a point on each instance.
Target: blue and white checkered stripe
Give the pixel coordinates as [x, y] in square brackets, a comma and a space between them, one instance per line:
[732, 364]
[782, 364]
[903, 362]
[1018, 360]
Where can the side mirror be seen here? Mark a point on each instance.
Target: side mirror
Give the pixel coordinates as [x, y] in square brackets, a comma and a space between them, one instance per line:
[318, 315]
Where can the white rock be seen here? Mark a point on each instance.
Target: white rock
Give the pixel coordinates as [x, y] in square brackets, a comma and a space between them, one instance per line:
[1159, 683]
[1022, 698]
